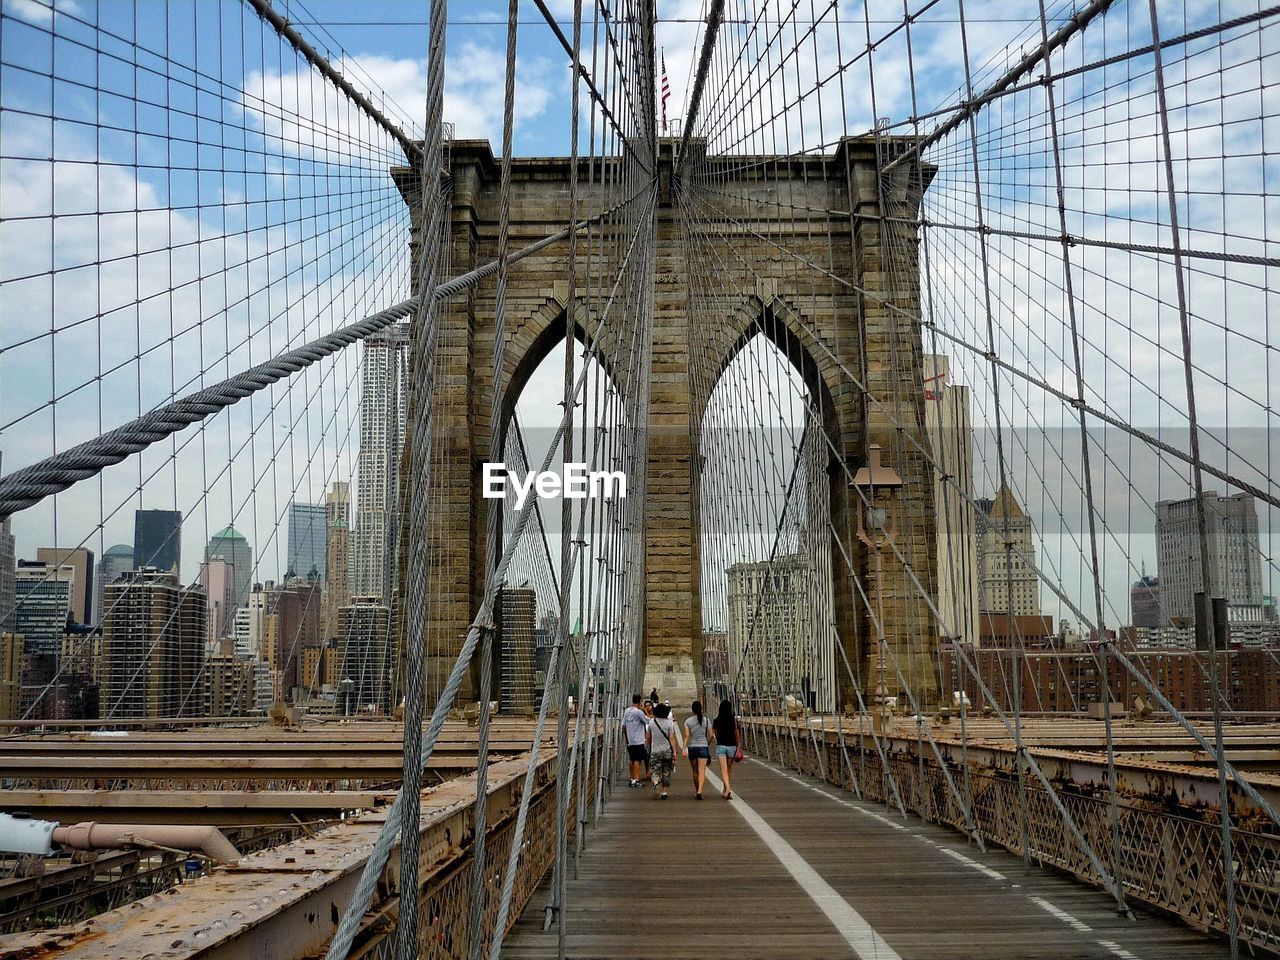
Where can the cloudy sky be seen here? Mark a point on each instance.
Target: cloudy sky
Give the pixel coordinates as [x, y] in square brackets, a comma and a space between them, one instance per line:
[200, 203]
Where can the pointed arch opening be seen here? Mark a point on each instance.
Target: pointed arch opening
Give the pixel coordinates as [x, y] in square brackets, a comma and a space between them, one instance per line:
[765, 521]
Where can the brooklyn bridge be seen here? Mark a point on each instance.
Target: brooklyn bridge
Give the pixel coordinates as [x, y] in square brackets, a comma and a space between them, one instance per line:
[715, 478]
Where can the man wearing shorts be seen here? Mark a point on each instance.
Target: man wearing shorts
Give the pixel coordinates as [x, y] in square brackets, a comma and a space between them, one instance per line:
[634, 720]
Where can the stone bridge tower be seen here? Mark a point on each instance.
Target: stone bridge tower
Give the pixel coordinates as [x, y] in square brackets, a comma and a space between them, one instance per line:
[854, 321]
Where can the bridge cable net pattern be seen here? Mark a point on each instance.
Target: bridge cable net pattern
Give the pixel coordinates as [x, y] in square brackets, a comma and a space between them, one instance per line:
[1072, 227]
[1059, 277]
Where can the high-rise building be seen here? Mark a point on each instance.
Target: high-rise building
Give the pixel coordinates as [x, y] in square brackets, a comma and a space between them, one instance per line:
[383, 406]
[44, 597]
[364, 631]
[779, 641]
[293, 622]
[250, 625]
[950, 432]
[230, 686]
[1235, 566]
[1007, 579]
[218, 577]
[10, 674]
[157, 540]
[1144, 602]
[115, 561]
[8, 566]
[337, 584]
[153, 639]
[81, 560]
[518, 607]
[230, 545]
[307, 522]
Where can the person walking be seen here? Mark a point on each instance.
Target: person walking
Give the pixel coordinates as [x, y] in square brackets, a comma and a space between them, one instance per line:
[697, 729]
[661, 737]
[635, 722]
[728, 745]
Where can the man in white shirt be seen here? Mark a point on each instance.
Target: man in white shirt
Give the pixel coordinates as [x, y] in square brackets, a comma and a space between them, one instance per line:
[635, 722]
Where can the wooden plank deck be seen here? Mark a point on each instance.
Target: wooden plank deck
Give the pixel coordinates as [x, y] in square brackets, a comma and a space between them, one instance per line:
[686, 879]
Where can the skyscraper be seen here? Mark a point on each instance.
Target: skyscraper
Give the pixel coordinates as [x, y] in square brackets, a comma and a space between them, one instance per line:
[230, 545]
[780, 643]
[157, 540]
[364, 643]
[307, 522]
[1235, 566]
[8, 565]
[218, 577]
[950, 433]
[1144, 602]
[518, 607]
[82, 560]
[44, 598]
[383, 406]
[1007, 579]
[337, 586]
[152, 647]
[115, 561]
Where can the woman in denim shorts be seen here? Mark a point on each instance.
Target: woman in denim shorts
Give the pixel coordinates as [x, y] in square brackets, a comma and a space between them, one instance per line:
[725, 727]
[697, 729]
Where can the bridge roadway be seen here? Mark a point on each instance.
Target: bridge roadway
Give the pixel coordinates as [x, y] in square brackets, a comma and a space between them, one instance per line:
[793, 868]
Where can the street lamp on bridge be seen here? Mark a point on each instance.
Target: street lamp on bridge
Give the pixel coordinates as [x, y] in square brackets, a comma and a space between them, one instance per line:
[879, 488]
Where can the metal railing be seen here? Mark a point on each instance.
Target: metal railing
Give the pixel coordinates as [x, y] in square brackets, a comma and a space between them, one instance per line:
[1170, 837]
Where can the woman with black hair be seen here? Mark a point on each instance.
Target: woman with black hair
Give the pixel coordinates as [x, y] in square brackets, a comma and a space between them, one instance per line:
[725, 727]
[697, 729]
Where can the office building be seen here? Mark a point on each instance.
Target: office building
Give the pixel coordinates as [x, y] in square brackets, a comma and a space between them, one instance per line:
[1144, 602]
[1235, 566]
[364, 628]
[307, 528]
[293, 623]
[249, 630]
[1007, 579]
[230, 546]
[383, 404]
[153, 640]
[82, 560]
[115, 561]
[230, 686]
[218, 579]
[518, 611]
[337, 583]
[157, 540]
[950, 433]
[43, 607]
[10, 674]
[779, 640]
[8, 567]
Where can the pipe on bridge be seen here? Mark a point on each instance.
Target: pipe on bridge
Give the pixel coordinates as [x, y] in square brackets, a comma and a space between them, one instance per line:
[25, 835]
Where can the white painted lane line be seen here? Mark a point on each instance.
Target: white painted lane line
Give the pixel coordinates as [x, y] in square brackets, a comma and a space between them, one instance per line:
[1061, 914]
[1079, 925]
[970, 862]
[834, 799]
[859, 934]
[1118, 950]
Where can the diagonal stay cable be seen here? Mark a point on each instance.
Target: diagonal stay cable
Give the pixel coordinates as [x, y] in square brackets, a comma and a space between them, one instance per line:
[340, 946]
[28, 486]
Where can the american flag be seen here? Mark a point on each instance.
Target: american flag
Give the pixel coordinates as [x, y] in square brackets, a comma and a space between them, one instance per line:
[666, 92]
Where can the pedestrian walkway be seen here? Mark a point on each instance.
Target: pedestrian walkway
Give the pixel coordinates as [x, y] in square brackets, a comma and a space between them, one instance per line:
[792, 868]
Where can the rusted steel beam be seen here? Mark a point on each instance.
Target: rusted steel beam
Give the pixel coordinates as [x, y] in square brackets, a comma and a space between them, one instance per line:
[285, 902]
[219, 807]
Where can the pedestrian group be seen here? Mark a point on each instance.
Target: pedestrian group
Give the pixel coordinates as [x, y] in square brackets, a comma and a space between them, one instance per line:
[653, 739]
